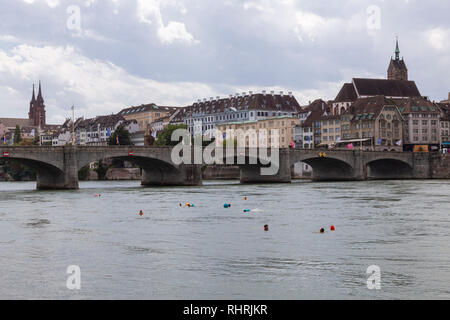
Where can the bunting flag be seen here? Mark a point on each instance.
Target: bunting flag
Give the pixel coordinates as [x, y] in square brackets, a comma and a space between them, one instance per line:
[379, 141]
[399, 142]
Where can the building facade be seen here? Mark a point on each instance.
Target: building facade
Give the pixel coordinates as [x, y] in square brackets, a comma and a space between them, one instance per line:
[376, 121]
[146, 114]
[258, 133]
[422, 123]
[203, 117]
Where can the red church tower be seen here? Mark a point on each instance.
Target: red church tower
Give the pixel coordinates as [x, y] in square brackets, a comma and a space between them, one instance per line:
[37, 109]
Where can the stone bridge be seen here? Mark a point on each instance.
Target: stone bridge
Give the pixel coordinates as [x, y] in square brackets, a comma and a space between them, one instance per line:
[364, 165]
[58, 167]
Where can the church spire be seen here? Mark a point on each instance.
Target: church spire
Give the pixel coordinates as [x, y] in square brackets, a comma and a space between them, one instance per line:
[39, 97]
[33, 99]
[397, 51]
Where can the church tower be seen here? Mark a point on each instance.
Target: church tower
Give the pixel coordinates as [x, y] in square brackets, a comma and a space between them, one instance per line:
[37, 109]
[397, 68]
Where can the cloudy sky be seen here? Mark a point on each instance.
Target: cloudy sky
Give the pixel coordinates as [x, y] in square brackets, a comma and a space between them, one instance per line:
[104, 55]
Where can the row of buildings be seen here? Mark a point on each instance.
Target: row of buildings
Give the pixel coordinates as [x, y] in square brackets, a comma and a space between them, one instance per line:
[378, 114]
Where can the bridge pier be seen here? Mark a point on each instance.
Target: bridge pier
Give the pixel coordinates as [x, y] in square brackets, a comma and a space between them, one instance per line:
[184, 175]
[67, 179]
[252, 173]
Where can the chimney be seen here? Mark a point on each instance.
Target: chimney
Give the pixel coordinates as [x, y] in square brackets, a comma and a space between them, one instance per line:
[264, 92]
[449, 96]
[290, 93]
[281, 93]
[251, 93]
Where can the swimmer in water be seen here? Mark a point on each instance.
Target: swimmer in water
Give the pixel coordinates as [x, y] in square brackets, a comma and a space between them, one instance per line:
[322, 230]
[266, 227]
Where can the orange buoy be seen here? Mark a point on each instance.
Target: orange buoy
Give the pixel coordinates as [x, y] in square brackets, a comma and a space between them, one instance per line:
[333, 228]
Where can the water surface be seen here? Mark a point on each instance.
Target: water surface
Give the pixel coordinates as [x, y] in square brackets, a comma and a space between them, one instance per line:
[208, 252]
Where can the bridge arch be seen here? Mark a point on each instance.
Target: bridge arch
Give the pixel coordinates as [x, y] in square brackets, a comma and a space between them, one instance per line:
[329, 168]
[49, 167]
[389, 168]
[156, 164]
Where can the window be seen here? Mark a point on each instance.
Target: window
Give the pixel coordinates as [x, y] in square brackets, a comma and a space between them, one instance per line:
[424, 122]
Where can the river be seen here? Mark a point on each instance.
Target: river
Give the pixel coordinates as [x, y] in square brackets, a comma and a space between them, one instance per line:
[209, 252]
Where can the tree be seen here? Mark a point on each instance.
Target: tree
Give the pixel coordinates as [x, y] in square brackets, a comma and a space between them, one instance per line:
[101, 170]
[122, 135]
[36, 140]
[165, 136]
[17, 135]
[26, 143]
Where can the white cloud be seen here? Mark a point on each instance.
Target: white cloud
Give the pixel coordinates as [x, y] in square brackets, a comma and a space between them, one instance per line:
[8, 38]
[149, 11]
[51, 3]
[438, 38]
[97, 87]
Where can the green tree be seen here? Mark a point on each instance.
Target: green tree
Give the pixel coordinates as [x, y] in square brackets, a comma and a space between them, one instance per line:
[26, 143]
[124, 137]
[101, 170]
[17, 135]
[83, 173]
[36, 140]
[165, 136]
